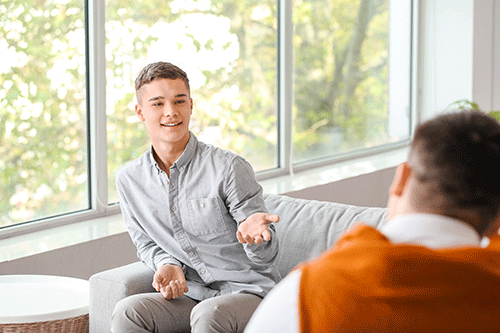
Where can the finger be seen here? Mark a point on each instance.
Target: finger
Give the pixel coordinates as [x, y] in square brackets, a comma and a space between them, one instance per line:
[166, 292]
[184, 286]
[240, 237]
[155, 285]
[266, 235]
[180, 288]
[258, 240]
[248, 239]
[175, 289]
[272, 218]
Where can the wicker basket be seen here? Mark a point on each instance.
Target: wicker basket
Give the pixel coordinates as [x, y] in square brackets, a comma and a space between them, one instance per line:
[78, 324]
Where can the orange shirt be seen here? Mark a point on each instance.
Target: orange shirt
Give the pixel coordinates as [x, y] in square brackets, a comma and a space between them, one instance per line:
[367, 284]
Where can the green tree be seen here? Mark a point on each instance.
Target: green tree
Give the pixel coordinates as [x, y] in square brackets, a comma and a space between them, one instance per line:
[340, 81]
[341, 50]
[42, 120]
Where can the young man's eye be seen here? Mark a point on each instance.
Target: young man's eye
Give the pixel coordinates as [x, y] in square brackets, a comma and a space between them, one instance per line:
[157, 104]
[180, 101]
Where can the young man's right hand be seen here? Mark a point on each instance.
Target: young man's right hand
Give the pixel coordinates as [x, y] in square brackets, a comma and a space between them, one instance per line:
[170, 281]
[255, 229]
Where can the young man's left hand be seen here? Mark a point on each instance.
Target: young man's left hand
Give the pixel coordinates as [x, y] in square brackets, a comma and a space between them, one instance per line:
[255, 229]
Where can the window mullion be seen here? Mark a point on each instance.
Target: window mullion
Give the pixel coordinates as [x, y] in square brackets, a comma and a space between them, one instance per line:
[285, 77]
[97, 95]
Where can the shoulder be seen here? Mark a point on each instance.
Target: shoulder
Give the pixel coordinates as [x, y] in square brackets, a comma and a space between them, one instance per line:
[221, 162]
[135, 168]
[211, 151]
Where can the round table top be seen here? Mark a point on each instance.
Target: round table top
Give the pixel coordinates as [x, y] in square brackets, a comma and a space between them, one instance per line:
[36, 298]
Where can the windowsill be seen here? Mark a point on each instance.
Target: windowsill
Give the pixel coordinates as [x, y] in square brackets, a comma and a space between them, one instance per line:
[58, 237]
[334, 172]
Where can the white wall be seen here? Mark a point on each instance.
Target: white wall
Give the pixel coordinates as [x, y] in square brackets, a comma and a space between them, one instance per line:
[496, 56]
[486, 64]
[459, 49]
[446, 57]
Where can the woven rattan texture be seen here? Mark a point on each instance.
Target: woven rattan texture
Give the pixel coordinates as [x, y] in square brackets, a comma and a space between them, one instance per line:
[78, 324]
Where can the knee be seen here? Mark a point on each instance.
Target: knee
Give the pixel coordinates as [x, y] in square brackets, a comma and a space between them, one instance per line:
[214, 317]
[128, 307]
[129, 314]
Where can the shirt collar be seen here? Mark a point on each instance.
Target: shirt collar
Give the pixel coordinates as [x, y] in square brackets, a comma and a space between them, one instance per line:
[184, 159]
[430, 230]
[188, 152]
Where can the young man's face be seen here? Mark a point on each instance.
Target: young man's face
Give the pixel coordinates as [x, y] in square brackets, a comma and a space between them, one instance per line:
[165, 107]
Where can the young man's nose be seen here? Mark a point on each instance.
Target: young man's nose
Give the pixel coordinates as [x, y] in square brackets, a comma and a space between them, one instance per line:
[168, 110]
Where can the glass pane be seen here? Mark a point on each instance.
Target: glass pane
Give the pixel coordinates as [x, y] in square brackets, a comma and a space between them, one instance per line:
[43, 148]
[346, 94]
[227, 48]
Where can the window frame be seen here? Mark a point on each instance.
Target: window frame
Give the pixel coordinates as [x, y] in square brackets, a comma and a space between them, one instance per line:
[96, 116]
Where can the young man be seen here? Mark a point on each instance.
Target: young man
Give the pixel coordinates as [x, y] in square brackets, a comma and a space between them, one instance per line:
[425, 270]
[198, 219]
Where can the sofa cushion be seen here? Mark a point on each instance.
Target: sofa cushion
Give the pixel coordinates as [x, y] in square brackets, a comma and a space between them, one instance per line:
[309, 227]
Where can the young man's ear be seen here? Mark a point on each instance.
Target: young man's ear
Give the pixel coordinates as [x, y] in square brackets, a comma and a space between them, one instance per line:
[138, 111]
[401, 177]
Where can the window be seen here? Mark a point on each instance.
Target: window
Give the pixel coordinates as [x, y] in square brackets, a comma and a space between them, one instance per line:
[346, 54]
[227, 48]
[337, 83]
[43, 148]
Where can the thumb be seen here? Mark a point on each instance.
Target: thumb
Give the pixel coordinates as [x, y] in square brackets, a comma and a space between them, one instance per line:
[184, 285]
[156, 282]
[272, 218]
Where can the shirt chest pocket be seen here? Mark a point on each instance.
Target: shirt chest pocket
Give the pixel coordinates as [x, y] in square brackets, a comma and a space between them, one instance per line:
[206, 217]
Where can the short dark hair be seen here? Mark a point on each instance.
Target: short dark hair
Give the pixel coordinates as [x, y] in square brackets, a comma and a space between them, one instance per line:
[159, 70]
[458, 154]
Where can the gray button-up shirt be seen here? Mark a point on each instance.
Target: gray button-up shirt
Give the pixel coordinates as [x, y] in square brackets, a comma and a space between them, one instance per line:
[192, 218]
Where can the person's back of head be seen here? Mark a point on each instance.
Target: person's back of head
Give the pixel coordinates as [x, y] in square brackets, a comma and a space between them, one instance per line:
[454, 160]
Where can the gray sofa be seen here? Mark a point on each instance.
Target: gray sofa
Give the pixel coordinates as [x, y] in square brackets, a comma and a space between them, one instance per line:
[306, 229]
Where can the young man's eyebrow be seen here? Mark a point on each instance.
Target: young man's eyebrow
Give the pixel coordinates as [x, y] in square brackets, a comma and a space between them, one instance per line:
[161, 97]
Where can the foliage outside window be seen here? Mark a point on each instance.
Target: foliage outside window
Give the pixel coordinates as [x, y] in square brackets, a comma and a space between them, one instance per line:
[43, 148]
[341, 64]
[229, 50]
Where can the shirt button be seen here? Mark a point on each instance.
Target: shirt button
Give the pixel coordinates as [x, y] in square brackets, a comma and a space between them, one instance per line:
[202, 204]
[191, 253]
[182, 168]
[202, 272]
[173, 209]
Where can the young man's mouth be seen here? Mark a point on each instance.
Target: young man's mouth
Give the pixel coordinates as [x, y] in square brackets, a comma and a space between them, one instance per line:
[171, 124]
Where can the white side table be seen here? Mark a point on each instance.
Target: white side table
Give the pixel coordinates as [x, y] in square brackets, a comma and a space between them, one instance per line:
[43, 303]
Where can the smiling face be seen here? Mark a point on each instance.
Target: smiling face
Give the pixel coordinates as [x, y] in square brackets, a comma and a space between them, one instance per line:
[165, 107]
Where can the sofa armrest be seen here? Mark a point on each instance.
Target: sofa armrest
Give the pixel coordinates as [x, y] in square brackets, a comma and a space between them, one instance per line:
[108, 287]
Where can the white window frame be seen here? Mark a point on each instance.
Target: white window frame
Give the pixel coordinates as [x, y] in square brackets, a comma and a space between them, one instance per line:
[97, 140]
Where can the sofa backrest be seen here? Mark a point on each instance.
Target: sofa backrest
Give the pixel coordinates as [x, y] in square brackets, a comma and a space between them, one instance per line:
[309, 227]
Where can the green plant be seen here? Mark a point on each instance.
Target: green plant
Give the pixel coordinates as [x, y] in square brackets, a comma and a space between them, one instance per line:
[466, 104]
